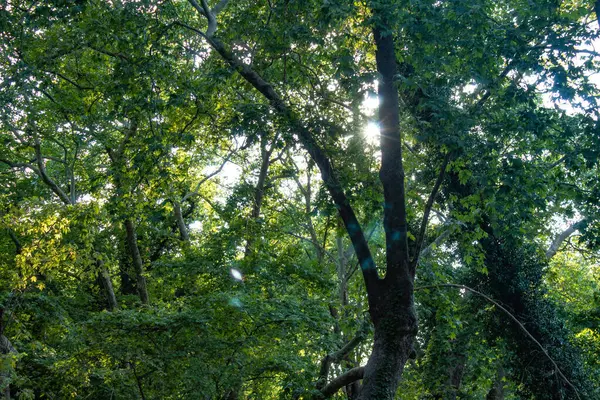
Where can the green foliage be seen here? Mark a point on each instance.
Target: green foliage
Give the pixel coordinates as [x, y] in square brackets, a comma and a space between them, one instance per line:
[118, 111]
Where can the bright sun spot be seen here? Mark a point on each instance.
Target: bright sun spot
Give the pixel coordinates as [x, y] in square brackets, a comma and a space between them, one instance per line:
[237, 275]
[370, 104]
[196, 226]
[371, 133]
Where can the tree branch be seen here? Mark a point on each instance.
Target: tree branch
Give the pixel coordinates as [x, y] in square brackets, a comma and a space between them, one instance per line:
[343, 380]
[427, 211]
[207, 177]
[339, 355]
[555, 245]
[317, 154]
[41, 170]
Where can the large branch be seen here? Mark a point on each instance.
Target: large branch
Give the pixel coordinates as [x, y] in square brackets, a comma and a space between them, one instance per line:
[41, 170]
[553, 249]
[317, 154]
[343, 380]
[339, 355]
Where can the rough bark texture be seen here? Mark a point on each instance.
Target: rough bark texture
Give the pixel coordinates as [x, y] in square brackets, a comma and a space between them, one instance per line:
[137, 261]
[394, 332]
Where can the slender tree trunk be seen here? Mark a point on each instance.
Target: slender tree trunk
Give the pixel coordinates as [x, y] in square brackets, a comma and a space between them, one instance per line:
[259, 192]
[137, 261]
[106, 283]
[341, 270]
[5, 348]
[183, 231]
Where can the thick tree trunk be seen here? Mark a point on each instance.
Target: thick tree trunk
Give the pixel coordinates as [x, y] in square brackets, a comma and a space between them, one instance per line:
[137, 261]
[395, 321]
[386, 364]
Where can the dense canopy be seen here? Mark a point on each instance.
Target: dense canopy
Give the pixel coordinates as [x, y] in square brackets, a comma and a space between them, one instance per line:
[299, 199]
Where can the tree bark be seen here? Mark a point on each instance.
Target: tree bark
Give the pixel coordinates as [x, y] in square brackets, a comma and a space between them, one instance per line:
[259, 192]
[183, 230]
[137, 261]
[106, 282]
[343, 380]
[556, 243]
[6, 348]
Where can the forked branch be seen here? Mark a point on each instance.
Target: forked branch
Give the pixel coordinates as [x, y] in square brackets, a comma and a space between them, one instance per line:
[345, 379]
[553, 249]
[317, 154]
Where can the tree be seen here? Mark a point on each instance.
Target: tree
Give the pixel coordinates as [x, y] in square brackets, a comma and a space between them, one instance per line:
[391, 302]
[120, 118]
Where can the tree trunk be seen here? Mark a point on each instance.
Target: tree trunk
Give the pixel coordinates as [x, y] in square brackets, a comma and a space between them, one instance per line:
[183, 231]
[137, 261]
[106, 283]
[395, 322]
[390, 300]
[6, 348]
[259, 192]
[497, 390]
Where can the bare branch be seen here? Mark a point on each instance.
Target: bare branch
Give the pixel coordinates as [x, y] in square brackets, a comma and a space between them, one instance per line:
[343, 380]
[195, 4]
[339, 355]
[553, 249]
[18, 165]
[41, 171]
[436, 243]
[212, 21]
[207, 177]
[15, 239]
[191, 28]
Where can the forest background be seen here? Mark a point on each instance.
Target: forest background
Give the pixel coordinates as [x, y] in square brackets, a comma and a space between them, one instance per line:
[299, 199]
